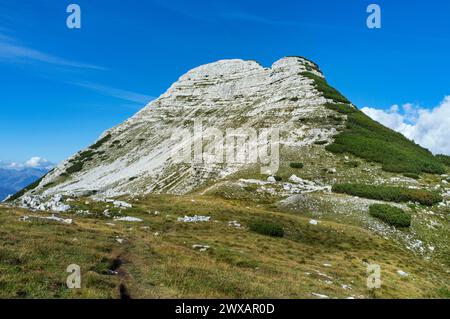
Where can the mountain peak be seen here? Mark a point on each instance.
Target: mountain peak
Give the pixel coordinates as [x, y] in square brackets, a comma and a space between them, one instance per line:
[223, 110]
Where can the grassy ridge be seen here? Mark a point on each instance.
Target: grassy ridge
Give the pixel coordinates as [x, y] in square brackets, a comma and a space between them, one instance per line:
[389, 193]
[369, 139]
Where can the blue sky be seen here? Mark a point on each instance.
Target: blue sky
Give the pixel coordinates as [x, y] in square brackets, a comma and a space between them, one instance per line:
[60, 88]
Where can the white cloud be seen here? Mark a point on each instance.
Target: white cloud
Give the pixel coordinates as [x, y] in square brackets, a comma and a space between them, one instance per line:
[34, 162]
[429, 128]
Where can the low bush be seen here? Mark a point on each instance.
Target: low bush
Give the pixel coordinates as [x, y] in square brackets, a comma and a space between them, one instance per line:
[75, 167]
[278, 178]
[267, 228]
[389, 193]
[392, 215]
[102, 141]
[296, 165]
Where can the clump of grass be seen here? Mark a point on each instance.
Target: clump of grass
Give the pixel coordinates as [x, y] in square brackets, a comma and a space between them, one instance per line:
[392, 215]
[389, 193]
[296, 165]
[326, 90]
[267, 228]
[370, 140]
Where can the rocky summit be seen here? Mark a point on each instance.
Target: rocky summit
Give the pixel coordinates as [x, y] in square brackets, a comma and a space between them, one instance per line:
[136, 156]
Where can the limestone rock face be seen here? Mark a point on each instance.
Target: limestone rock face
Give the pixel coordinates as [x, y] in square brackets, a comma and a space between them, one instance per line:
[138, 156]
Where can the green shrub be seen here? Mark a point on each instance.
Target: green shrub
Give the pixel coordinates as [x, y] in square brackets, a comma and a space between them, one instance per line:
[392, 215]
[85, 156]
[389, 193]
[75, 167]
[278, 178]
[267, 228]
[101, 142]
[412, 175]
[296, 165]
[370, 140]
[320, 142]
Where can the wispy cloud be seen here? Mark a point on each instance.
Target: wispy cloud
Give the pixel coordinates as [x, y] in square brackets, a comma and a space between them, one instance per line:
[243, 16]
[13, 52]
[114, 92]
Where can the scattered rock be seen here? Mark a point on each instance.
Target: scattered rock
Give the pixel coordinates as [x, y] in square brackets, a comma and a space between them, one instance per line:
[201, 247]
[234, 223]
[194, 219]
[121, 204]
[127, 219]
[402, 273]
[271, 179]
[36, 202]
[320, 296]
[53, 217]
[313, 222]
[346, 287]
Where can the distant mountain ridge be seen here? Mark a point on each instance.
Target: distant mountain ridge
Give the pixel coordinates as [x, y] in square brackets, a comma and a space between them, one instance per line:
[13, 179]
